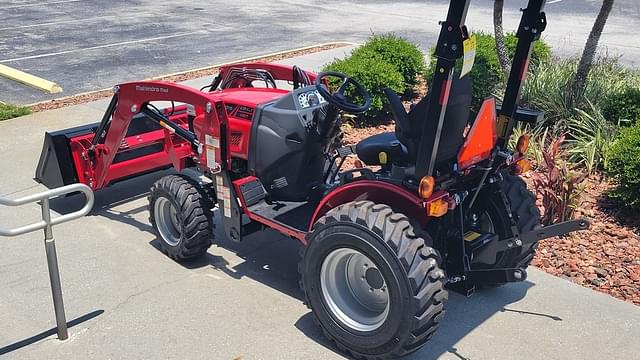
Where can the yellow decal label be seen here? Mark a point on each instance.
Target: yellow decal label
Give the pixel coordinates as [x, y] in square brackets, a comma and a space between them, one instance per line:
[471, 236]
[383, 158]
[469, 55]
[503, 122]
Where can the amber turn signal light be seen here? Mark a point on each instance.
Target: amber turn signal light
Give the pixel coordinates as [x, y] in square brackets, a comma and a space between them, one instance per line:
[427, 184]
[437, 208]
[522, 166]
[523, 144]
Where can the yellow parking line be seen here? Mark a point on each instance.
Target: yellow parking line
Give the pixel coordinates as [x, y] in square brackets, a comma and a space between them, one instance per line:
[31, 80]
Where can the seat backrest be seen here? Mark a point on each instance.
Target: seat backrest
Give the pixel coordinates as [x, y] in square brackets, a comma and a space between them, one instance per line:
[403, 127]
[455, 121]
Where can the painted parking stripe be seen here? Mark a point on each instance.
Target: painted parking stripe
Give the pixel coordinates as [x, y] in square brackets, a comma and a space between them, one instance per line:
[103, 46]
[38, 4]
[66, 22]
[28, 79]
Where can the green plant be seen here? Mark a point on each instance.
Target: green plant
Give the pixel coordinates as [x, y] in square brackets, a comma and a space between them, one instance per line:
[488, 77]
[548, 87]
[559, 186]
[591, 136]
[11, 111]
[541, 50]
[624, 165]
[538, 140]
[624, 105]
[397, 51]
[375, 75]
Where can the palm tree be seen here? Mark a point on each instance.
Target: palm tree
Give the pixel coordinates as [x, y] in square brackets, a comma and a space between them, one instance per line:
[503, 54]
[590, 48]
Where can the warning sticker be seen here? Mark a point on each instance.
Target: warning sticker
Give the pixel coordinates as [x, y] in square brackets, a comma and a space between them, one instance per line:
[503, 122]
[469, 55]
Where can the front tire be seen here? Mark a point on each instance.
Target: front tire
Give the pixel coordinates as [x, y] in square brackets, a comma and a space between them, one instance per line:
[374, 286]
[181, 217]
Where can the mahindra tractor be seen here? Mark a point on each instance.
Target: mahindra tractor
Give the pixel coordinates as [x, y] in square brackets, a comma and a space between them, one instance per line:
[436, 205]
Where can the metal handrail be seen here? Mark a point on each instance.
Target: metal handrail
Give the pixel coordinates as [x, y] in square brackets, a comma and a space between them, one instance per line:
[45, 197]
[47, 224]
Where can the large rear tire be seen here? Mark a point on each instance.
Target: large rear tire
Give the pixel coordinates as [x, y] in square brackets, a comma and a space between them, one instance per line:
[490, 208]
[181, 217]
[375, 287]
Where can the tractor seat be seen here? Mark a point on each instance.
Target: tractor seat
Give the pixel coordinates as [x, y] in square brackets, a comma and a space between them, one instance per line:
[401, 147]
[370, 150]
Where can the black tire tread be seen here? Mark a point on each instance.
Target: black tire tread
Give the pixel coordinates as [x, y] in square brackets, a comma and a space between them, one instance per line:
[196, 210]
[419, 261]
[525, 212]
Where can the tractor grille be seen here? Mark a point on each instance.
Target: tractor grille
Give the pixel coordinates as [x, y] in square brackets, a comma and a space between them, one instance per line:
[236, 138]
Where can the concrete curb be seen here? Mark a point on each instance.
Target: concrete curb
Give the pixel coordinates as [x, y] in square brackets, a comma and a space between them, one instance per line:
[253, 58]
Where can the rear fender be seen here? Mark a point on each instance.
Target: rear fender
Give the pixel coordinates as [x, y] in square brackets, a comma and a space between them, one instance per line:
[378, 192]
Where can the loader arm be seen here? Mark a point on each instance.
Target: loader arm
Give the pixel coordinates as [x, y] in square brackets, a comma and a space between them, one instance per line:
[133, 99]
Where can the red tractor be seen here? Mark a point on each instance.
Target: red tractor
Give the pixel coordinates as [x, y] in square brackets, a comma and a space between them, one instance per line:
[445, 208]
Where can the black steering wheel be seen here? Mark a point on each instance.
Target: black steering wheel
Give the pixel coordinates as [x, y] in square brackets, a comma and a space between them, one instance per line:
[338, 98]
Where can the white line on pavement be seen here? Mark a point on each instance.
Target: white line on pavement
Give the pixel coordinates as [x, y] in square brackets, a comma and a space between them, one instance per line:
[104, 46]
[38, 4]
[66, 22]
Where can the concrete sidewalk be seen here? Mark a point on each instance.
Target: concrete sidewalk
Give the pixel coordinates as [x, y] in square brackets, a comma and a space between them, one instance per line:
[129, 301]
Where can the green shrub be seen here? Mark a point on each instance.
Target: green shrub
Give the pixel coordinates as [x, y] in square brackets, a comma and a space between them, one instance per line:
[374, 74]
[11, 111]
[487, 74]
[624, 165]
[623, 107]
[541, 51]
[403, 55]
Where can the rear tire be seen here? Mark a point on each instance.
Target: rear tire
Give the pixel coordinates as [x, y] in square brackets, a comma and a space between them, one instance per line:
[362, 245]
[526, 214]
[181, 217]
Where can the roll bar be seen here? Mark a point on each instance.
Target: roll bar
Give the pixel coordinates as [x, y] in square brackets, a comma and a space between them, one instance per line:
[449, 49]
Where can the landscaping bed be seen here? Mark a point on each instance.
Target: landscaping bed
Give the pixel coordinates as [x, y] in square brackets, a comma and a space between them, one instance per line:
[605, 258]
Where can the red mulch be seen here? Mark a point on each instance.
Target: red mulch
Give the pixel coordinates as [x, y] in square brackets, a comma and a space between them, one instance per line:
[605, 258]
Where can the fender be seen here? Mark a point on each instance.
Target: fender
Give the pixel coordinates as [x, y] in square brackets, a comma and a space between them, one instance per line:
[379, 192]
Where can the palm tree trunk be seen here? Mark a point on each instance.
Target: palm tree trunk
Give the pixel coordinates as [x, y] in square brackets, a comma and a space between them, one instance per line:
[590, 48]
[503, 54]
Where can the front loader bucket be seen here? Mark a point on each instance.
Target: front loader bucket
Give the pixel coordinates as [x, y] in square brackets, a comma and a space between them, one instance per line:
[56, 167]
[63, 160]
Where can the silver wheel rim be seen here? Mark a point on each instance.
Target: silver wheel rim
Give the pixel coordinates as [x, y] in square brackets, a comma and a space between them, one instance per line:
[167, 221]
[354, 290]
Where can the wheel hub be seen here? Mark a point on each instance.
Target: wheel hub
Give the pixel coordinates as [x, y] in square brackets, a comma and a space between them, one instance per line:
[354, 290]
[167, 221]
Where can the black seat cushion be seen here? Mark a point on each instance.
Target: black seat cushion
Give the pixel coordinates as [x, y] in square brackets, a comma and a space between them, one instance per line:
[369, 149]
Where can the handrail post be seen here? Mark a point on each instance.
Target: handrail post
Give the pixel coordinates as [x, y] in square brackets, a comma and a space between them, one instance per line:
[47, 224]
[54, 272]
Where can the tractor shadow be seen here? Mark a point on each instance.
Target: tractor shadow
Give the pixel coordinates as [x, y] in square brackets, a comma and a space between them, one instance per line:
[123, 202]
[272, 259]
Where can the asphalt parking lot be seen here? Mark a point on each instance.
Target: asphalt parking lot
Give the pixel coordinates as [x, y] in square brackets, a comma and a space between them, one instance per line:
[124, 299]
[86, 45]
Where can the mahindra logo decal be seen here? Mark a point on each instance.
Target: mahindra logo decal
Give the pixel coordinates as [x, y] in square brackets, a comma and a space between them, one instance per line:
[151, 89]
